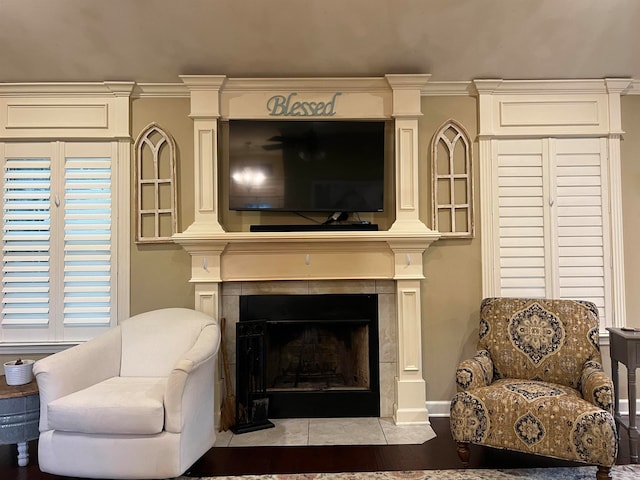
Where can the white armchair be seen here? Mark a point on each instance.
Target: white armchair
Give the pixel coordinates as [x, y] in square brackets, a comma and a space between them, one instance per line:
[134, 402]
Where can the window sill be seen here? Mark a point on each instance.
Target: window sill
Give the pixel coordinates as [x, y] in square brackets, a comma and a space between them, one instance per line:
[33, 348]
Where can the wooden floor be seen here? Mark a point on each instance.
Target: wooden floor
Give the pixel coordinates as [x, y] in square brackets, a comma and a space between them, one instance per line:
[439, 453]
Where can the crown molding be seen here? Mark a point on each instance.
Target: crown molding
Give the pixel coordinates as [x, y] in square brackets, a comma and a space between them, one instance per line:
[179, 90]
[447, 89]
[549, 87]
[634, 88]
[311, 84]
[160, 90]
[429, 89]
[66, 89]
[442, 88]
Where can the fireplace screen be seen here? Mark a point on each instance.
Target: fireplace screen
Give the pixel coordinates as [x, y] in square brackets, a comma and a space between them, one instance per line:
[317, 355]
[320, 354]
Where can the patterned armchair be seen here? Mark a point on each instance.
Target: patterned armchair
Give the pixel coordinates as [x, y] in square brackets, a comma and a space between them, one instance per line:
[536, 384]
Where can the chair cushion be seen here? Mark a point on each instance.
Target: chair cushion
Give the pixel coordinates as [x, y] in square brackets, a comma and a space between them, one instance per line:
[118, 405]
[539, 339]
[535, 417]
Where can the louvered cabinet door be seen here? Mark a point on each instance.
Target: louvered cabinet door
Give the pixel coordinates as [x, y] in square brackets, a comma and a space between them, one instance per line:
[552, 219]
[580, 211]
[522, 219]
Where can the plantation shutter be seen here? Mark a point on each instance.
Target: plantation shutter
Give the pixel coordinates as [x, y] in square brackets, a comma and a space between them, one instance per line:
[87, 241]
[26, 242]
[552, 219]
[58, 268]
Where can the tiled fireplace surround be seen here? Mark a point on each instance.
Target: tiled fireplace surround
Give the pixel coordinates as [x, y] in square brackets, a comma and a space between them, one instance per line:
[227, 263]
[385, 289]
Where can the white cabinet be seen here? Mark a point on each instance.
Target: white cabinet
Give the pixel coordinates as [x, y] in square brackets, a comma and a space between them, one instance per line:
[551, 218]
[550, 191]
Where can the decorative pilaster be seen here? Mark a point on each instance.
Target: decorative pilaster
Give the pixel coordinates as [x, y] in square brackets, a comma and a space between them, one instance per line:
[406, 111]
[410, 387]
[615, 87]
[411, 393]
[490, 247]
[205, 111]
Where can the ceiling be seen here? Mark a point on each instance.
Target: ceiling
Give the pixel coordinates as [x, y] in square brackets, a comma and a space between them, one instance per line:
[155, 41]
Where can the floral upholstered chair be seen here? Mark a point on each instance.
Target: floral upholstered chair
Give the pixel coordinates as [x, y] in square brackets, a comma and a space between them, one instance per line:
[536, 384]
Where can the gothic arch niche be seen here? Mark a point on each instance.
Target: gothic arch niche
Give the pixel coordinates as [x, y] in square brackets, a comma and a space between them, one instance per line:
[452, 181]
[155, 173]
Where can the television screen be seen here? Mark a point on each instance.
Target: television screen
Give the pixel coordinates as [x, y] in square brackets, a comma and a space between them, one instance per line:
[306, 166]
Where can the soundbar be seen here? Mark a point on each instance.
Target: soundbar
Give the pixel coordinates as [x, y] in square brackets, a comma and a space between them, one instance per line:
[330, 227]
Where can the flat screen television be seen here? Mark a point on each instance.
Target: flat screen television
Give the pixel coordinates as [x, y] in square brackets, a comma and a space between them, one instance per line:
[306, 166]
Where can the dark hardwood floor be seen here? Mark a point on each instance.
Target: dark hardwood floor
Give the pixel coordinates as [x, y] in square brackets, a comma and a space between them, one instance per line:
[439, 453]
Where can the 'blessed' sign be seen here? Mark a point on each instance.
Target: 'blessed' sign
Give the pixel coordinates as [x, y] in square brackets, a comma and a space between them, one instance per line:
[280, 106]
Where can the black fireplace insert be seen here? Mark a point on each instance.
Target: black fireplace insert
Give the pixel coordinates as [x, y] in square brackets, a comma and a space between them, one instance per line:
[319, 355]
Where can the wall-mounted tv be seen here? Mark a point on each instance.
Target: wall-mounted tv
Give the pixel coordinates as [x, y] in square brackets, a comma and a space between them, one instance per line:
[306, 166]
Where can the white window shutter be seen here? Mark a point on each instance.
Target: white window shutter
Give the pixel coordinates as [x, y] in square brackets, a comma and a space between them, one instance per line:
[26, 232]
[59, 271]
[87, 241]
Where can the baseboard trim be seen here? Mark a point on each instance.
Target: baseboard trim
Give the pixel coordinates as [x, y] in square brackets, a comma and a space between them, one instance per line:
[438, 408]
[441, 408]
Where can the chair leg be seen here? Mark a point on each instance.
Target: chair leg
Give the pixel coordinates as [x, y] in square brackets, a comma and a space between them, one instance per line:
[464, 453]
[603, 473]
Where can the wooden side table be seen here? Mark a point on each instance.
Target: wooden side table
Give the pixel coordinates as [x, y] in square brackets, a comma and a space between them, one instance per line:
[19, 416]
[625, 348]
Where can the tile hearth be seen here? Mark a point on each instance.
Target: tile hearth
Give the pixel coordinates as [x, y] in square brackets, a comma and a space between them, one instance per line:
[329, 431]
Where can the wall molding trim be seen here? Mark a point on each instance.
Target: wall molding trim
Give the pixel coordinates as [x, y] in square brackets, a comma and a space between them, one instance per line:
[180, 90]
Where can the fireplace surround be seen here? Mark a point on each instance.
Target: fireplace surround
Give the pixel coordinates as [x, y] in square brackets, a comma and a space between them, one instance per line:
[224, 257]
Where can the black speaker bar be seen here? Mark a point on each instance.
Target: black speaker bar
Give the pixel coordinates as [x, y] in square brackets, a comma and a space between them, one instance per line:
[331, 227]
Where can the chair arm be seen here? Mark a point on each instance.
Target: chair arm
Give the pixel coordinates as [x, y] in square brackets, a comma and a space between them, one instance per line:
[191, 379]
[596, 386]
[77, 368]
[475, 372]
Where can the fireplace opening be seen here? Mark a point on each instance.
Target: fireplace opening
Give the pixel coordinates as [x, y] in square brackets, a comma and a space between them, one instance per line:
[319, 355]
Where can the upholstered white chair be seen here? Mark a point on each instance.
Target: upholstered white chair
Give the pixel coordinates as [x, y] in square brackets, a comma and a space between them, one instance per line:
[134, 402]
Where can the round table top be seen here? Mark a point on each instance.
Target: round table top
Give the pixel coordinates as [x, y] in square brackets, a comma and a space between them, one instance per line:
[13, 391]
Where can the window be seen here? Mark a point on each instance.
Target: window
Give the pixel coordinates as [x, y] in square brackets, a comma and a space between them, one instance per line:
[59, 241]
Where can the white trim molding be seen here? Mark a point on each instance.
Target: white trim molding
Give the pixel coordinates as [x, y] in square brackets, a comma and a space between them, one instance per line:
[519, 109]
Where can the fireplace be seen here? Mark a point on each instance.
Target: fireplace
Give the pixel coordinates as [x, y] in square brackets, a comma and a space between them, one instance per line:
[319, 354]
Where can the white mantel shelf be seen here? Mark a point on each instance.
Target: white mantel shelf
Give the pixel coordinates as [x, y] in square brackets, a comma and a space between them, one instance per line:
[267, 256]
[426, 236]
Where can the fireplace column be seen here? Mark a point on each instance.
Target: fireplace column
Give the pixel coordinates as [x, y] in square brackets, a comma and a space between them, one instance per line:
[410, 389]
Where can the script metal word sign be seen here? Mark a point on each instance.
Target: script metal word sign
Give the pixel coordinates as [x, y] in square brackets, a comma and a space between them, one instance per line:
[281, 106]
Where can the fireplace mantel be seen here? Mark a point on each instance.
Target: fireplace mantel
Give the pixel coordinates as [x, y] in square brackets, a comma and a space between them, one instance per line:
[266, 256]
[219, 256]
